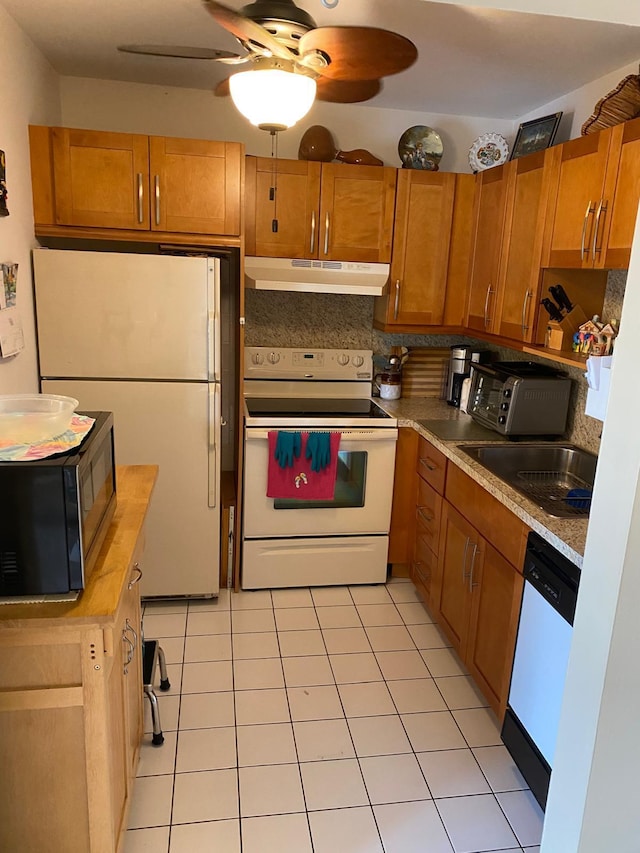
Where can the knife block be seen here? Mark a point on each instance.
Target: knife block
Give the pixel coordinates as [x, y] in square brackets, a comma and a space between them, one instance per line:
[559, 335]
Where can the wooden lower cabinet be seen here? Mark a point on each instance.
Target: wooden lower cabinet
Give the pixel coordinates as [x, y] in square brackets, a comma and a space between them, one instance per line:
[71, 699]
[476, 598]
[495, 609]
[430, 473]
[403, 506]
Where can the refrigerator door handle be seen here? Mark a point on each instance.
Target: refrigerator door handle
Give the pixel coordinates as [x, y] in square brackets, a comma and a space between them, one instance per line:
[213, 319]
[213, 421]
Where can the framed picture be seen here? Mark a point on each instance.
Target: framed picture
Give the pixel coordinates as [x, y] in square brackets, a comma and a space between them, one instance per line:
[535, 135]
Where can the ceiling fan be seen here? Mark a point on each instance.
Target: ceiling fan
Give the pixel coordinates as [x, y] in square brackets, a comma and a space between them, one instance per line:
[337, 64]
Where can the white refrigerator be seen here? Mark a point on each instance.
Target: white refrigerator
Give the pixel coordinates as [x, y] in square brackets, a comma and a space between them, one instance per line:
[138, 335]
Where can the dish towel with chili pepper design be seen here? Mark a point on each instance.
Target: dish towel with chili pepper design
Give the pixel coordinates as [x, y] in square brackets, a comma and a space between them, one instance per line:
[310, 475]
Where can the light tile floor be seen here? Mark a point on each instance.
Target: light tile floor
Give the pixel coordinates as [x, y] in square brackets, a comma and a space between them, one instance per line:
[330, 720]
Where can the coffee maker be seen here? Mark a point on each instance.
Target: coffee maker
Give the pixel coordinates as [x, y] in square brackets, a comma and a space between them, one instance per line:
[460, 369]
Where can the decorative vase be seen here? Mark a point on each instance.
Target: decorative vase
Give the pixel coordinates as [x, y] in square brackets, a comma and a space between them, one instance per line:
[358, 157]
[317, 144]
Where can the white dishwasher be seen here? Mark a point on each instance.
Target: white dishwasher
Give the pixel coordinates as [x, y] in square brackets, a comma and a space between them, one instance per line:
[543, 642]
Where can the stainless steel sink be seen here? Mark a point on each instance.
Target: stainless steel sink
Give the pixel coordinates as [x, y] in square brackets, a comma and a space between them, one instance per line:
[557, 477]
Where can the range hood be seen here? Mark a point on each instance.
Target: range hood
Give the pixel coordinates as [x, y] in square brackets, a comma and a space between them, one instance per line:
[309, 276]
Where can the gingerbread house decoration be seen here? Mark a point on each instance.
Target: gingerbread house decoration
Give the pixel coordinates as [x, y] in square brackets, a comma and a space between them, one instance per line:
[594, 337]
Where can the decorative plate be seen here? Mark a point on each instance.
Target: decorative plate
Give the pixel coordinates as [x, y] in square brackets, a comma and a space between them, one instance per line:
[420, 147]
[488, 150]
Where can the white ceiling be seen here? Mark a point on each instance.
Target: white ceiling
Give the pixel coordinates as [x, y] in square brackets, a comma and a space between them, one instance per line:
[472, 61]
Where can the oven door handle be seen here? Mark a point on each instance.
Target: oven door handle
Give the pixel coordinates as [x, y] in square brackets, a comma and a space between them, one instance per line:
[346, 435]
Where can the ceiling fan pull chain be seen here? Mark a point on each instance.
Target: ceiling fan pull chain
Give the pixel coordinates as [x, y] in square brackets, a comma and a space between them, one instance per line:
[273, 190]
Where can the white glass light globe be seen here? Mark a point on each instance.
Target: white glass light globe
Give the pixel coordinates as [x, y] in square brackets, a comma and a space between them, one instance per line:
[272, 99]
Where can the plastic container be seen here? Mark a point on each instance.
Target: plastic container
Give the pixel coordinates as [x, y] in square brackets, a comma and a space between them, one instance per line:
[27, 418]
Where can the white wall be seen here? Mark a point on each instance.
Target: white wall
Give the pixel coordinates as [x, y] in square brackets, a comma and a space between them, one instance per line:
[614, 11]
[194, 113]
[29, 95]
[579, 105]
[593, 796]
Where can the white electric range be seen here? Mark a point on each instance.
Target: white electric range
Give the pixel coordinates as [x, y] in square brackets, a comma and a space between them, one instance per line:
[289, 542]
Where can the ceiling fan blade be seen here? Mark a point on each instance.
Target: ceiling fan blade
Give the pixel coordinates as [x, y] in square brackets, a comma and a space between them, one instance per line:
[246, 30]
[346, 91]
[178, 52]
[359, 53]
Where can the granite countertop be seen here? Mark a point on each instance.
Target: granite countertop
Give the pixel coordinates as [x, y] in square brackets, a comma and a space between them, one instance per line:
[567, 535]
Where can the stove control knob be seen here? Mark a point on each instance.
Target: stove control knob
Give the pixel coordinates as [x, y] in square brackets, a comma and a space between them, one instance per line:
[274, 357]
[343, 359]
[502, 419]
[358, 360]
[257, 358]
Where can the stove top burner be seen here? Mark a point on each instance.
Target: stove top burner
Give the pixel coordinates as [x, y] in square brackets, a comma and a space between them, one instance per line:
[286, 407]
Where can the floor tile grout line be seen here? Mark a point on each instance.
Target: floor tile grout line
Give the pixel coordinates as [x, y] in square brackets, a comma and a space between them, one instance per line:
[384, 679]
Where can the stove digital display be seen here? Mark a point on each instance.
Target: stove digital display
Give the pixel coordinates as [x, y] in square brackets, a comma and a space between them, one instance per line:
[299, 358]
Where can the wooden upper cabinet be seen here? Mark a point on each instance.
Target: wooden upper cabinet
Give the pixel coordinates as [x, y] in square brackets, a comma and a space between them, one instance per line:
[528, 181]
[577, 205]
[282, 208]
[100, 179]
[420, 257]
[195, 185]
[489, 219]
[622, 188]
[328, 211]
[356, 213]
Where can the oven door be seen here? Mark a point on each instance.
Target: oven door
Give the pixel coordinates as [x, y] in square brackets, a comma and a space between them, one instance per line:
[362, 501]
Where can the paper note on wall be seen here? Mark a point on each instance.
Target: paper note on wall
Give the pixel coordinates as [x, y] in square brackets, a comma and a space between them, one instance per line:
[599, 378]
[11, 337]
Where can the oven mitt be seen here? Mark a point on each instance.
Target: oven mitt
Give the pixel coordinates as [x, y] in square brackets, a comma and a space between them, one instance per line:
[318, 450]
[288, 446]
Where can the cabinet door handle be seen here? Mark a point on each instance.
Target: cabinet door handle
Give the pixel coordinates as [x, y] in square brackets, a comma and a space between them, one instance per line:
[473, 560]
[129, 627]
[396, 304]
[426, 518]
[583, 249]
[487, 319]
[312, 242]
[130, 651]
[326, 233]
[137, 578]
[525, 302]
[426, 464]
[602, 207]
[464, 560]
[140, 198]
[157, 195]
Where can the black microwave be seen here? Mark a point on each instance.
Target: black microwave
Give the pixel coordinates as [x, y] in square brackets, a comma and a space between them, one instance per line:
[54, 514]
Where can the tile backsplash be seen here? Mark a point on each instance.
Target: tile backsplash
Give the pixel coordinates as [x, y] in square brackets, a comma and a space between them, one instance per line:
[284, 319]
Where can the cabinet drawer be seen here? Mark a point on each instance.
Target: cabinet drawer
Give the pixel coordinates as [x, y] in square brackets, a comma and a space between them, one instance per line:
[504, 530]
[423, 567]
[432, 465]
[428, 510]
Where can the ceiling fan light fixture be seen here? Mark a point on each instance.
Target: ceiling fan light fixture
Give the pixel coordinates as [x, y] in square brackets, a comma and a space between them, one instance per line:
[271, 96]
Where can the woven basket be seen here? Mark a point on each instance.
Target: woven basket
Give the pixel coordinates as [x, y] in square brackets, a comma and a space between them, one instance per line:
[622, 104]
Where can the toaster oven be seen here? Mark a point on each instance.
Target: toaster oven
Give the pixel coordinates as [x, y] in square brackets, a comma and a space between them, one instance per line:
[519, 398]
